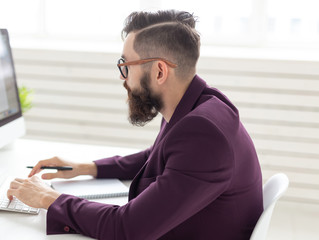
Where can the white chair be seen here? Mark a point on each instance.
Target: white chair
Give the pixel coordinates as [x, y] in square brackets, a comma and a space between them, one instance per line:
[273, 189]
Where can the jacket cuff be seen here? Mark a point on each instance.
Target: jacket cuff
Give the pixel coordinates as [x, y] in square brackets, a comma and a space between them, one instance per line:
[55, 224]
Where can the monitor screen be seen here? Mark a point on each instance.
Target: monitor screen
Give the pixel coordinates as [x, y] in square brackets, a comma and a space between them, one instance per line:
[10, 109]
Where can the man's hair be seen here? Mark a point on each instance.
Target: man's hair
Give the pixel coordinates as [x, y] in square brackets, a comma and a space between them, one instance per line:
[139, 20]
[166, 34]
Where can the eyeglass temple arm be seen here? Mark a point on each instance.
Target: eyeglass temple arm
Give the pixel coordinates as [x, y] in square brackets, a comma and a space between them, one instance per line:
[146, 61]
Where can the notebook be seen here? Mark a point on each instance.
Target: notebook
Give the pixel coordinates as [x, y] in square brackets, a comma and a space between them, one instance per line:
[91, 188]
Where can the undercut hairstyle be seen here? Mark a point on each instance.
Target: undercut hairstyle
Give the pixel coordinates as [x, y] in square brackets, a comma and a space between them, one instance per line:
[166, 34]
[139, 20]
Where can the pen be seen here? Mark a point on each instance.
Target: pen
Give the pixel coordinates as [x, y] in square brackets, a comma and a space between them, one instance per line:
[62, 168]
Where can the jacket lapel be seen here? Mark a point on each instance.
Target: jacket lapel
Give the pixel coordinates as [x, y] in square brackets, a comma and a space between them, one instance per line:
[186, 104]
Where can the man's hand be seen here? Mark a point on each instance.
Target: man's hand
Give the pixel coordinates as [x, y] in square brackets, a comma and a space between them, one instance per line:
[33, 192]
[78, 169]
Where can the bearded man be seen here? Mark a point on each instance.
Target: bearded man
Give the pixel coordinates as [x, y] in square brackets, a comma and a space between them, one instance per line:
[200, 179]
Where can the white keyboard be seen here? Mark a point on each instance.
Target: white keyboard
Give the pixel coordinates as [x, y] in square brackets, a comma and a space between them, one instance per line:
[16, 206]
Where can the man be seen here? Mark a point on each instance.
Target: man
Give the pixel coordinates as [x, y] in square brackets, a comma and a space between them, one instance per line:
[200, 180]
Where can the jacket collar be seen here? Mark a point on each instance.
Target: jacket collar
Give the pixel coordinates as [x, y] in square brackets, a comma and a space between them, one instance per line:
[186, 104]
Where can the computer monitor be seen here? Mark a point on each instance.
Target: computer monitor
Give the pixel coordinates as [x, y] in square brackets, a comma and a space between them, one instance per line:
[11, 120]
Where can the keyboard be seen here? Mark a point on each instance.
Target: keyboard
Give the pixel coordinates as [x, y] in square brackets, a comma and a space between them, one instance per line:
[16, 206]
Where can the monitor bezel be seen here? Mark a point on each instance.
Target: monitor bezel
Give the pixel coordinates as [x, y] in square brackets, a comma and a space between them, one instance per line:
[19, 113]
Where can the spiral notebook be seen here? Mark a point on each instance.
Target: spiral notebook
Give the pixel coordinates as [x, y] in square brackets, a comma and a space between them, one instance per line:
[91, 188]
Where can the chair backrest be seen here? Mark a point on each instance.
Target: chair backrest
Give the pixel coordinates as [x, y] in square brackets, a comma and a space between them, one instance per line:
[273, 189]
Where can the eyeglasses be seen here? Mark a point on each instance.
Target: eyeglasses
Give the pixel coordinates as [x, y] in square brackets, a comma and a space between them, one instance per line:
[122, 65]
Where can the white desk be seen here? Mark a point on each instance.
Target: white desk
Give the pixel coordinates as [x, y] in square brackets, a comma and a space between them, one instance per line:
[13, 162]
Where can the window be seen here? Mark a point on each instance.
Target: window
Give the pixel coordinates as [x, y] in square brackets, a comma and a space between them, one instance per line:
[288, 23]
[86, 18]
[20, 17]
[220, 21]
[293, 22]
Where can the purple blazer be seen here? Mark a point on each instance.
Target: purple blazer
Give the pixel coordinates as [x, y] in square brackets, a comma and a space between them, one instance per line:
[200, 180]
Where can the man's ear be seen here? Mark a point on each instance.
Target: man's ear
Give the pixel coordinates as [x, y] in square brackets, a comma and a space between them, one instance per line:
[162, 72]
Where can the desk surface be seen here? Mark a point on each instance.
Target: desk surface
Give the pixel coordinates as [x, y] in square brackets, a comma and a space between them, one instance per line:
[13, 162]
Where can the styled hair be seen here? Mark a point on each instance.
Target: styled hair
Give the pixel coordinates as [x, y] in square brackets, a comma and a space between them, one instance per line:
[167, 34]
[139, 20]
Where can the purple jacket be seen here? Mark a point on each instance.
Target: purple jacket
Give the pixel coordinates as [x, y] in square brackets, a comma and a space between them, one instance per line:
[200, 180]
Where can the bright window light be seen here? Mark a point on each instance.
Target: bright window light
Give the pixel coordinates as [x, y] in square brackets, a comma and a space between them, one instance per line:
[285, 23]
[86, 18]
[20, 17]
[294, 21]
[227, 17]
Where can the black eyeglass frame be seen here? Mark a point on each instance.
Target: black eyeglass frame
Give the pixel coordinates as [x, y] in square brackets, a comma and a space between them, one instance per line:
[121, 63]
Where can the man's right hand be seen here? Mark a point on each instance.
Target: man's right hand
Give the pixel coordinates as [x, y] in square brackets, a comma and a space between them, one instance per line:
[78, 169]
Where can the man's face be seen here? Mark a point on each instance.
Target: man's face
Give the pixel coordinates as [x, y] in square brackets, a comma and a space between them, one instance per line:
[143, 104]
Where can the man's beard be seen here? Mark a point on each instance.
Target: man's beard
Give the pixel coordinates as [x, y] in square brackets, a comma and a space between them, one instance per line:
[143, 105]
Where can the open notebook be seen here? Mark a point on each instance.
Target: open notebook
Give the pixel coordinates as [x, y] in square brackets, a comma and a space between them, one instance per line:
[91, 188]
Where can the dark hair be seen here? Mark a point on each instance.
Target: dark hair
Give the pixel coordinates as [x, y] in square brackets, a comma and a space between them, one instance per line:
[139, 20]
[166, 34]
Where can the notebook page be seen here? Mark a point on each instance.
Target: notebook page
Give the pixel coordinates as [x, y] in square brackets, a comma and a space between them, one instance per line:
[91, 188]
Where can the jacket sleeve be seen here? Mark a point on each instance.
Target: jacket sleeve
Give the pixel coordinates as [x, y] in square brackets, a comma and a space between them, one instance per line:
[121, 167]
[198, 168]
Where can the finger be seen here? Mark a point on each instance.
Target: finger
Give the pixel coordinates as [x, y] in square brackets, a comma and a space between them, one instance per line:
[36, 169]
[16, 183]
[47, 162]
[20, 180]
[10, 194]
[49, 176]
